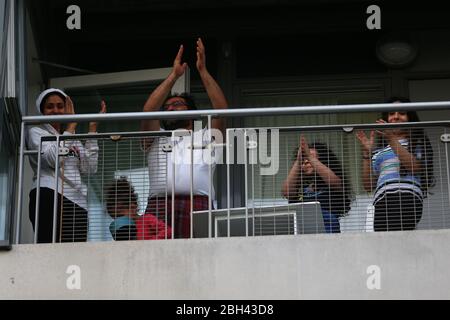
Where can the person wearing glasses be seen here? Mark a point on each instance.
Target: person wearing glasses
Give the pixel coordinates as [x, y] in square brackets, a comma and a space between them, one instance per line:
[398, 167]
[161, 163]
[317, 175]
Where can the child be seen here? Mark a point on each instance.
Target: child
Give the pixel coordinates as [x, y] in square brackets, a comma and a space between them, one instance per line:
[122, 206]
[317, 175]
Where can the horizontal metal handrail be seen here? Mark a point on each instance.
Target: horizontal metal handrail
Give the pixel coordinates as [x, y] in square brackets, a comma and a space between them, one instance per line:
[349, 127]
[345, 127]
[135, 134]
[240, 112]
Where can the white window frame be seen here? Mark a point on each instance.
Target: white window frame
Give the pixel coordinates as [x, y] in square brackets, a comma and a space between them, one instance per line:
[121, 78]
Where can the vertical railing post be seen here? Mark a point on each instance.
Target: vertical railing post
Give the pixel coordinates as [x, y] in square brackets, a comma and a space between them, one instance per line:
[19, 199]
[210, 177]
[38, 193]
[246, 181]
[55, 199]
[173, 185]
[192, 186]
[229, 145]
[448, 172]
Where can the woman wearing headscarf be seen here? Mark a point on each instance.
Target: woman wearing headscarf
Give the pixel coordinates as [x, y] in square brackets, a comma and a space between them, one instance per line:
[72, 208]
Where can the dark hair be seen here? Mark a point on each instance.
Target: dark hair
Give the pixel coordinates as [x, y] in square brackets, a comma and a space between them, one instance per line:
[398, 99]
[188, 98]
[329, 159]
[53, 93]
[417, 139]
[120, 195]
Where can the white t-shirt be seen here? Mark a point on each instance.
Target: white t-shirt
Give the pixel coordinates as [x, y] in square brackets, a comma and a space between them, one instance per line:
[161, 164]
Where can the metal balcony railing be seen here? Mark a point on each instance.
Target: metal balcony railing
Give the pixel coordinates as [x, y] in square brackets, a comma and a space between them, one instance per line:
[160, 185]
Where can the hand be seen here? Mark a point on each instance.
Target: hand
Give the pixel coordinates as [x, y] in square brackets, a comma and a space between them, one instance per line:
[178, 67]
[300, 150]
[201, 56]
[69, 109]
[366, 143]
[93, 125]
[388, 134]
[305, 148]
[304, 151]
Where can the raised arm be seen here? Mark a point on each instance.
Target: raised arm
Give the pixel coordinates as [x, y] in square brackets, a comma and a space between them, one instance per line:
[292, 183]
[93, 125]
[89, 152]
[407, 160]
[70, 109]
[157, 97]
[324, 172]
[367, 144]
[215, 93]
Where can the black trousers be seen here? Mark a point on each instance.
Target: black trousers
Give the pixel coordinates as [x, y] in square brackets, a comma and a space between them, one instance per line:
[398, 211]
[74, 218]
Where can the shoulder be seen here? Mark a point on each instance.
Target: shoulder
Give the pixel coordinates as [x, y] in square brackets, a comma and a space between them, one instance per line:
[37, 130]
[381, 151]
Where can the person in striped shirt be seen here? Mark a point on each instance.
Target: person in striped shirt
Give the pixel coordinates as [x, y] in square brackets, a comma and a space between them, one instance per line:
[398, 168]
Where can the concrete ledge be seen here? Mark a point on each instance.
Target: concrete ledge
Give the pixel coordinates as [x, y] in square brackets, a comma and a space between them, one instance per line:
[405, 265]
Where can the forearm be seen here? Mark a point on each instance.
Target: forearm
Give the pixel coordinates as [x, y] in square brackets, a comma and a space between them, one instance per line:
[214, 91]
[216, 96]
[408, 161]
[367, 179]
[326, 174]
[49, 153]
[292, 183]
[156, 100]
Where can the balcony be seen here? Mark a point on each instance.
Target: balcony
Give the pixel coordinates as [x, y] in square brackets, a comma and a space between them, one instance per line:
[249, 241]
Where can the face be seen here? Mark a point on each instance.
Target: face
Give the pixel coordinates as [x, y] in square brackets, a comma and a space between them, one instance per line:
[175, 104]
[397, 117]
[53, 105]
[307, 168]
[129, 210]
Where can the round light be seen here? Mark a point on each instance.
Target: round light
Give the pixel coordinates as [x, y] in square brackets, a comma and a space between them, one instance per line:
[396, 53]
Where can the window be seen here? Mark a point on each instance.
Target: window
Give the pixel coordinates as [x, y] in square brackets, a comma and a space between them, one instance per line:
[7, 165]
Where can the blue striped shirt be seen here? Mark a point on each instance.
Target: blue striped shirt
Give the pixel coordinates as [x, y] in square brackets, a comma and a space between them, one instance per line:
[391, 179]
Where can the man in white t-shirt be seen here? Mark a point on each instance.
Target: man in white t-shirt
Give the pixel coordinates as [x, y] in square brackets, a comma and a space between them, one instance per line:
[161, 163]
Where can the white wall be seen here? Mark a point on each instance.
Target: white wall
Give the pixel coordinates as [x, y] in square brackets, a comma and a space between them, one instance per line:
[412, 265]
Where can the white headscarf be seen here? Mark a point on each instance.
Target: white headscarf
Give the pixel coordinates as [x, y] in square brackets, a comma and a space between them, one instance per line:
[44, 94]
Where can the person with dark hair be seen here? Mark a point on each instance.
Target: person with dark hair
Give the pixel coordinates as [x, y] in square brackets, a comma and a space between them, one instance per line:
[317, 175]
[159, 202]
[399, 166]
[72, 214]
[122, 206]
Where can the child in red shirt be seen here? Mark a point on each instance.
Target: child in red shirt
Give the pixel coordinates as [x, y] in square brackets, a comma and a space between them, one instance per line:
[122, 205]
